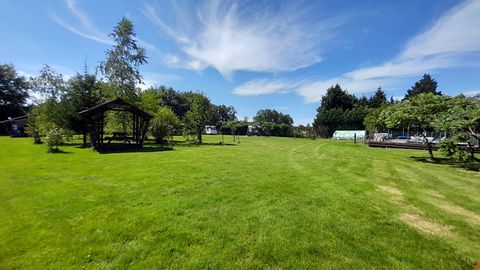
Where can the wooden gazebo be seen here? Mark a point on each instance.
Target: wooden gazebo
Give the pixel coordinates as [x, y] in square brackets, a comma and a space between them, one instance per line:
[94, 119]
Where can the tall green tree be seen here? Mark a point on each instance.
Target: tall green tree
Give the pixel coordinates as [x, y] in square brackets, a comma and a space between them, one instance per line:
[150, 100]
[273, 123]
[175, 100]
[462, 119]
[163, 124]
[83, 92]
[49, 84]
[13, 92]
[222, 114]
[378, 99]
[338, 110]
[198, 116]
[425, 85]
[124, 60]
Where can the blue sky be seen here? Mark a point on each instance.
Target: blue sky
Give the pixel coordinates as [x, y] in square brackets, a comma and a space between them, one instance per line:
[258, 54]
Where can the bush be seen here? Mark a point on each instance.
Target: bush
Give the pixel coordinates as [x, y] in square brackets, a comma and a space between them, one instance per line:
[54, 139]
[163, 124]
[449, 149]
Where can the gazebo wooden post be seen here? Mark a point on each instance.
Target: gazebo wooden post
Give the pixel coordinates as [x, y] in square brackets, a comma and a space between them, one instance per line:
[133, 127]
[102, 121]
[137, 131]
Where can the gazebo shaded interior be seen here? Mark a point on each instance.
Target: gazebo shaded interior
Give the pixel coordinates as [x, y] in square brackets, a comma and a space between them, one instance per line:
[94, 119]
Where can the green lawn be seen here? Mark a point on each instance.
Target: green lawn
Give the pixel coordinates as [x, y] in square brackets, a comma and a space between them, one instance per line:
[264, 203]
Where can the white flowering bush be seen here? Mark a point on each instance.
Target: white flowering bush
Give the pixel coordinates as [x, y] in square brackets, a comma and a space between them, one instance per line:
[54, 139]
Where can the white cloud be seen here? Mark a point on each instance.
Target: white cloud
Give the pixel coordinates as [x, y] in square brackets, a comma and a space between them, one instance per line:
[264, 86]
[84, 28]
[471, 93]
[448, 43]
[230, 36]
[444, 45]
[156, 79]
[457, 31]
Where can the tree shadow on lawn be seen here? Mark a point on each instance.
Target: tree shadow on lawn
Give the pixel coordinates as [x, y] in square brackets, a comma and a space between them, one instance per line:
[151, 146]
[58, 151]
[195, 144]
[473, 165]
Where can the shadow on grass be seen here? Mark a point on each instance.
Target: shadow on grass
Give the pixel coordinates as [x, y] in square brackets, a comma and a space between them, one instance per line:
[195, 144]
[115, 149]
[58, 151]
[149, 146]
[473, 165]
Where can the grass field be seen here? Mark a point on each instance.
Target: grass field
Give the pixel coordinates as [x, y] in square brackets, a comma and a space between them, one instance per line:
[264, 203]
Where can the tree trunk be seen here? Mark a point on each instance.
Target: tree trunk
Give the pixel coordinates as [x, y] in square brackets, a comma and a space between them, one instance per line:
[429, 147]
[199, 137]
[470, 148]
[84, 137]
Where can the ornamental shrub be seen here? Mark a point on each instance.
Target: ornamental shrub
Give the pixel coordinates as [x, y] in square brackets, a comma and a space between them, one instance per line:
[54, 139]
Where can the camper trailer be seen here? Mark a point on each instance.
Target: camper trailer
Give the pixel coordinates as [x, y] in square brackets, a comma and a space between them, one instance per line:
[211, 130]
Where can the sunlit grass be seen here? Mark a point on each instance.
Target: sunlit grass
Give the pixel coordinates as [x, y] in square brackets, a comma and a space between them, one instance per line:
[263, 203]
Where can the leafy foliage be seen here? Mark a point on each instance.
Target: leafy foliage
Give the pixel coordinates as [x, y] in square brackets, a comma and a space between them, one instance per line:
[13, 92]
[123, 61]
[339, 110]
[54, 139]
[83, 92]
[199, 115]
[163, 124]
[150, 100]
[49, 83]
[222, 114]
[378, 99]
[273, 123]
[418, 113]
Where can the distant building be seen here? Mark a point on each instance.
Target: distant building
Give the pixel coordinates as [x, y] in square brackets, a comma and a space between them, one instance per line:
[211, 130]
[14, 127]
[349, 134]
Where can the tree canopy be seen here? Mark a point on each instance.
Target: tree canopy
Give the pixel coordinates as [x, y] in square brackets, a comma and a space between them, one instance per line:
[339, 110]
[198, 116]
[13, 92]
[123, 61]
[425, 85]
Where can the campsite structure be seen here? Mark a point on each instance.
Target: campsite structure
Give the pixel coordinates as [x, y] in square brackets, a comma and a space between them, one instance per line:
[94, 119]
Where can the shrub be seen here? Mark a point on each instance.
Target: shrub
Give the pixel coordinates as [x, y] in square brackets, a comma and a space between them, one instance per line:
[163, 124]
[449, 149]
[54, 139]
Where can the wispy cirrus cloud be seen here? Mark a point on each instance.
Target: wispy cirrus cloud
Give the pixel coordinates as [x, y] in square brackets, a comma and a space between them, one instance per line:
[234, 36]
[452, 41]
[83, 25]
[152, 79]
[265, 86]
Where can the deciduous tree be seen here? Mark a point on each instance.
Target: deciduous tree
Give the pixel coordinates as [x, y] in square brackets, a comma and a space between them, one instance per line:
[13, 92]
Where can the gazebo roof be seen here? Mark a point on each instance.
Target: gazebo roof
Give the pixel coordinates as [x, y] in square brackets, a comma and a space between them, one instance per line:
[117, 104]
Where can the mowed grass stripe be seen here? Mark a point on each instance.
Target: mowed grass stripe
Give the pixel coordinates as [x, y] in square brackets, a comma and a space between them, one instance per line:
[263, 203]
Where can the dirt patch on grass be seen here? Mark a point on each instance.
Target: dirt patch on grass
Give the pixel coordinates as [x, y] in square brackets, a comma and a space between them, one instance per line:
[469, 216]
[434, 193]
[391, 190]
[413, 216]
[425, 225]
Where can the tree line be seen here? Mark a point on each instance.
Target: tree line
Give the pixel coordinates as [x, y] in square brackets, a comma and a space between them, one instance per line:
[423, 109]
[55, 102]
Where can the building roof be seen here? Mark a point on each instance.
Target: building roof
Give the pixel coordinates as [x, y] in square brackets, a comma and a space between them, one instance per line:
[117, 104]
[14, 119]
